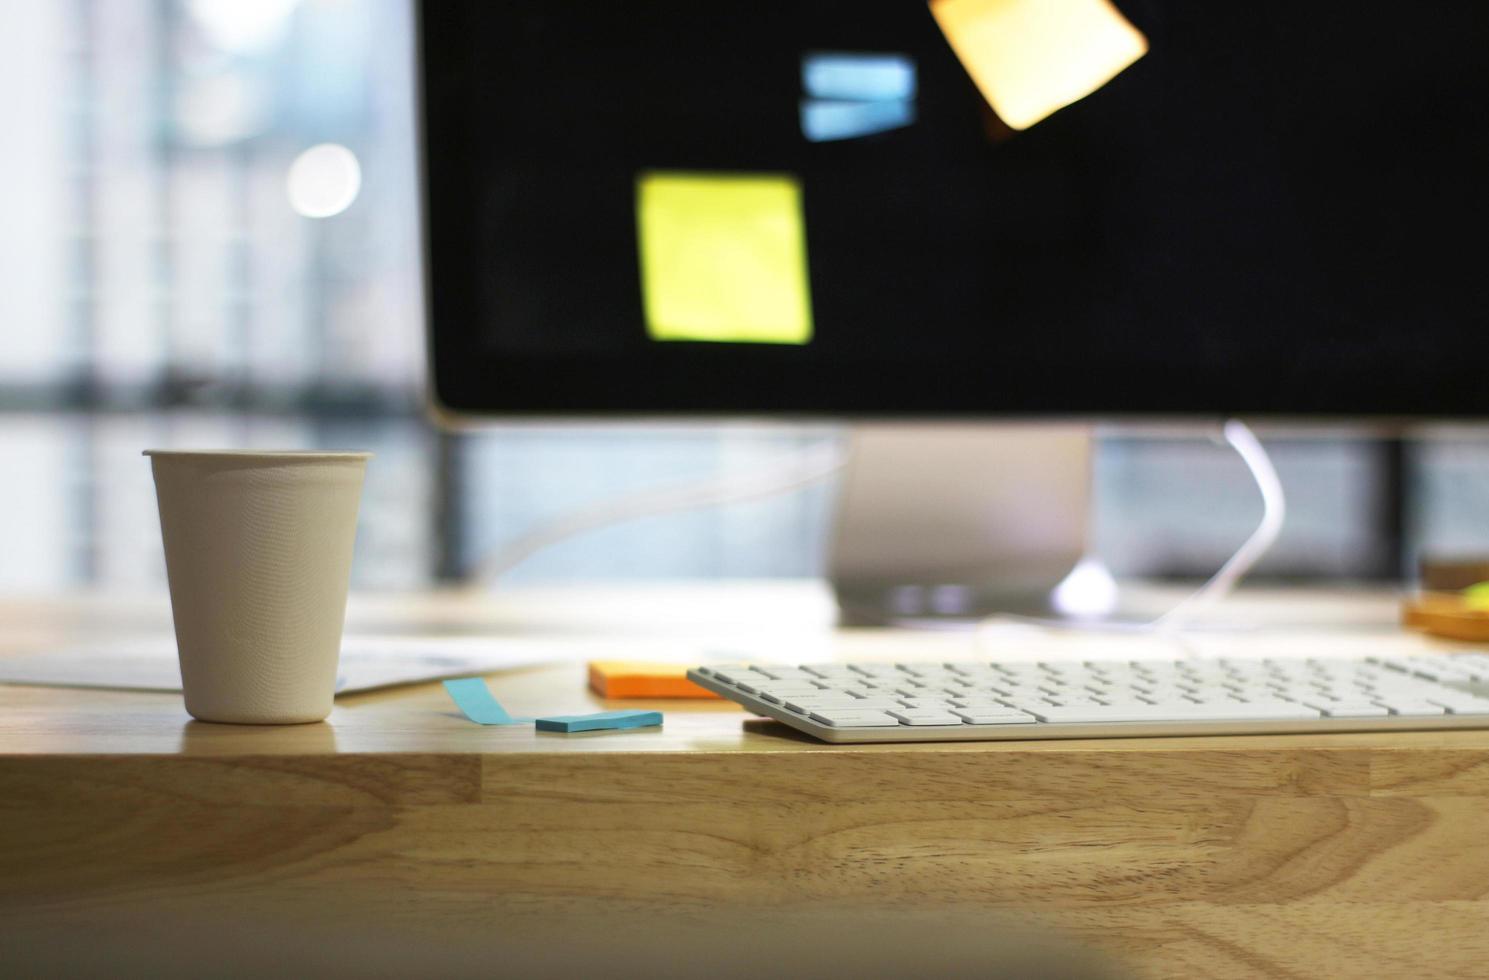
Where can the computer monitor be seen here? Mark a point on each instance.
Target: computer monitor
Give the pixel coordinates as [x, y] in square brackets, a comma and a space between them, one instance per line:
[811, 209]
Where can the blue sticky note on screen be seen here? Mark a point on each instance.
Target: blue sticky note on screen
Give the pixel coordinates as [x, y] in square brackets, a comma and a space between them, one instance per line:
[600, 721]
[474, 700]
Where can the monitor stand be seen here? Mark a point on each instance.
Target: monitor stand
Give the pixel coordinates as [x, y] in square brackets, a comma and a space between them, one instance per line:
[957, 521]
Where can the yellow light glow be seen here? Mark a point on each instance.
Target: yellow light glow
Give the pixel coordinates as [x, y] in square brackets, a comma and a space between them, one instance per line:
[723, 257]
[1032, 57]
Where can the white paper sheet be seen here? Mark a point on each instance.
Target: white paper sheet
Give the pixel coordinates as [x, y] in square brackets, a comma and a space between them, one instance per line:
[367, 662]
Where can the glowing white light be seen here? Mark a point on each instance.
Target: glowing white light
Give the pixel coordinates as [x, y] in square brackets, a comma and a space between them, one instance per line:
[1087, 592]
[242, 25]
[324, 180]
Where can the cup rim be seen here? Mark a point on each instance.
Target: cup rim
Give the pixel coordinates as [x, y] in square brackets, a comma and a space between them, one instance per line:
[302, 454]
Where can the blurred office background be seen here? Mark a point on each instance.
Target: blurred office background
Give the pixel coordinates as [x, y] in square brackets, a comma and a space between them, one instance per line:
[177, 270]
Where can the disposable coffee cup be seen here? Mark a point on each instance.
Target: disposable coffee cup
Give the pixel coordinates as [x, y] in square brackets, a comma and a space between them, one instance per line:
[258, 554]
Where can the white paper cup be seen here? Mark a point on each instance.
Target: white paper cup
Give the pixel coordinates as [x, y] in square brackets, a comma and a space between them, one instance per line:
[258, 553]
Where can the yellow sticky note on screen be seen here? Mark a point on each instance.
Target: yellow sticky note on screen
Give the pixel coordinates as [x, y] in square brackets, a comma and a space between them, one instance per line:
[723, 257]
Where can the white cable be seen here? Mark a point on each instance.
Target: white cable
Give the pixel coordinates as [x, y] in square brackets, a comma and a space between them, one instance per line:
[799, 469]
[1274, 512]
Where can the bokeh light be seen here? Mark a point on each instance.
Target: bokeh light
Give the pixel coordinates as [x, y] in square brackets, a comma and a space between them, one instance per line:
[324, 180]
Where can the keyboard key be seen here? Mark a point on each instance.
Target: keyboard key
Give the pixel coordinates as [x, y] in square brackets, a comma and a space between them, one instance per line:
[1162, 692]
[925, 670]
[874, 703]
[1476, 664]
[1031, 705]
[972, 670]
[1432, 668]
[859, 719]
[1460, 704]
[807, 705]
[779, 694]
[725, 672]
[1412, 708]
[1007, 716]
[1129, 698]
[1070, 700]
[1348, 709]
[916, 716]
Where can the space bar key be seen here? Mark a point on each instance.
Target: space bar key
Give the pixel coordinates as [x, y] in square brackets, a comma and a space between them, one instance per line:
[1253, 711]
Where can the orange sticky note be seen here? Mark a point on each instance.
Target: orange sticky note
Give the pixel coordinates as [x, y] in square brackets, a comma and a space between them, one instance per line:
[1032, 57]
[628, 679]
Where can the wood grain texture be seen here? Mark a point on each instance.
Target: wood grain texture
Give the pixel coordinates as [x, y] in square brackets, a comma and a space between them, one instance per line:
[1306, 856]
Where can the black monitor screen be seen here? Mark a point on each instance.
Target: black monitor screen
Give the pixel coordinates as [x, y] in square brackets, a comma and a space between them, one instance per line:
[811, 207]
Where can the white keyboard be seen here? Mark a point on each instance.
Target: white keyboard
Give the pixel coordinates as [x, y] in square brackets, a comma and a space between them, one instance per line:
[865, 702]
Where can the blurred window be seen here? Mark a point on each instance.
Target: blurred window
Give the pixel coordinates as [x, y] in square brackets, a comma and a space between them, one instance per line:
[211, 240]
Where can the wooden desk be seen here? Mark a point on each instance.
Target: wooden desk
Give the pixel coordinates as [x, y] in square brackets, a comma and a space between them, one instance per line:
[121, 819]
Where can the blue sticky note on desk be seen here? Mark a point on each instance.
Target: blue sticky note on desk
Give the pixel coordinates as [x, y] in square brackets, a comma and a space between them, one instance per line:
[603, 720]
[474, 700]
